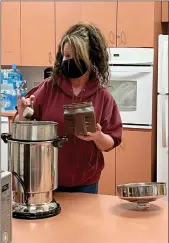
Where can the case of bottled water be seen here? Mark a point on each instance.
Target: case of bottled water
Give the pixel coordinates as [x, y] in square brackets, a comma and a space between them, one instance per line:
[12, 85]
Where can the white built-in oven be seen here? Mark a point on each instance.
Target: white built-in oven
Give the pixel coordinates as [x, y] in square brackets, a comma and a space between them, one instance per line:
[131, 84]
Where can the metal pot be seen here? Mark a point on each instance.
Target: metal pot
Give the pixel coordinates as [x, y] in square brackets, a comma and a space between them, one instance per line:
[32, 160]
[34, 168]
[142, 193]
[34, 130]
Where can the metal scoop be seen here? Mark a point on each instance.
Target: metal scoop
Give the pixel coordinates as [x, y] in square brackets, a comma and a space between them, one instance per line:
[28, 112]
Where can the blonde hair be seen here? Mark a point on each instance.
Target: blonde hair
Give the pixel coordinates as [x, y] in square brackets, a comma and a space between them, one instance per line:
[89, 45]
[79, 42]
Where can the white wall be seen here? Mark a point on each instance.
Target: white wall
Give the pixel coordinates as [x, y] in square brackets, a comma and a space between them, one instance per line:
[32, 75]
[4, 146]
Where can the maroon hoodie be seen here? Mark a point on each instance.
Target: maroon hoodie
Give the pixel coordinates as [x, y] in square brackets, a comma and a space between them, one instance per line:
[79, 162]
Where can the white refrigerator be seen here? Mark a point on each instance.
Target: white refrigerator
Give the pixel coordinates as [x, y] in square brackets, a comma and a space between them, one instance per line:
[162, 111]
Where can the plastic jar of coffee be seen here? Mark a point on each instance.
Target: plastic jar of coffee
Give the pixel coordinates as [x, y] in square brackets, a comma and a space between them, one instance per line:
[79, 119]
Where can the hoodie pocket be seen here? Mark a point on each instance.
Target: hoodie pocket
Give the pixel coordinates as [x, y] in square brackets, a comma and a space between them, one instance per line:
[91, 154]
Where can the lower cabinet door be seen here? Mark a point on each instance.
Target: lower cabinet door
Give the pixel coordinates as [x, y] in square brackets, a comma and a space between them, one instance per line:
[107, 180]
[133, 157]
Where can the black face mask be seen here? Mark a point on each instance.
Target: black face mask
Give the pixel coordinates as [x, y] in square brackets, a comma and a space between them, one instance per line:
[71, 70]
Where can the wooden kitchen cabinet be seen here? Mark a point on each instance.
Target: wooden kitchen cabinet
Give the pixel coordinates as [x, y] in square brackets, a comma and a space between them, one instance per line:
[37, 27]
[37, 33]
[103, 15]
[124, 24]
[165, 9]
[135, 24]
[133, 157]
[66, 14]
[10, 33]
[107, 180]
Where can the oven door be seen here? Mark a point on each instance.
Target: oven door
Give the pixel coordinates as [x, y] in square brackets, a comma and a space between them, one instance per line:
[131, 87]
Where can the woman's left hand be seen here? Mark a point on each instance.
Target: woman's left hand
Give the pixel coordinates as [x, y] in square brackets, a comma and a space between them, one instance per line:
[93, 136]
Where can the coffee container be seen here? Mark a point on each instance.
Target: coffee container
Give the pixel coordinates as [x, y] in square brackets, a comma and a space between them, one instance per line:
[79, 119]
[33, 161]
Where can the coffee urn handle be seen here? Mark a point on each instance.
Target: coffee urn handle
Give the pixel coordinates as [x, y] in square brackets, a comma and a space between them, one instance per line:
[59, 141]
[5, 137]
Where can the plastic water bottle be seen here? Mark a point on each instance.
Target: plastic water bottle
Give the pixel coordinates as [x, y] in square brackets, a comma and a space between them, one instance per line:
[11, 100]
[14, 99]
[17, 77]
[17, 73]
[11, 78]
[23, 92]
[6, 80]
[11, 85]
[5, 101]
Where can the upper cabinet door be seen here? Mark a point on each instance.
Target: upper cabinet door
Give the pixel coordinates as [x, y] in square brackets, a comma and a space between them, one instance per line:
[10, 33]
[37, 33]
[135, 24]
[165, 7]
[103, 15]
[67, 14]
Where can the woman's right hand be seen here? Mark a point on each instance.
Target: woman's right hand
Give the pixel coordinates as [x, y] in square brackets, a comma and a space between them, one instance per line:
[23, 103]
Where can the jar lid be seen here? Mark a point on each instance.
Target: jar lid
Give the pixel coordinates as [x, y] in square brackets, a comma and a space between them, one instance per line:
[78, 105]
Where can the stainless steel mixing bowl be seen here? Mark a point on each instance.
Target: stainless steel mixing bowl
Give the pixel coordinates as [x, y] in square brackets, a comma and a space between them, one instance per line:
[142, 193]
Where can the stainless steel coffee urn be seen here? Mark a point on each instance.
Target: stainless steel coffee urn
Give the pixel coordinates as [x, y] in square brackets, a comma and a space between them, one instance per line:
[33, 156]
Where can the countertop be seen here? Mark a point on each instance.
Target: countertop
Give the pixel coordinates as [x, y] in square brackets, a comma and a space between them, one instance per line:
[7, 113]
[87, 218]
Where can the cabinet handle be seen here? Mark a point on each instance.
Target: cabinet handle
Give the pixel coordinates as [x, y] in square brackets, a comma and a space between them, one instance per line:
[118, 40]
[111, 37]
[121, 37]
[107, 42]
[50, 57]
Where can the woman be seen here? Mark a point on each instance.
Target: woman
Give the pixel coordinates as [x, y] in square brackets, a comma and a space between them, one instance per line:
[80, 72]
